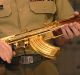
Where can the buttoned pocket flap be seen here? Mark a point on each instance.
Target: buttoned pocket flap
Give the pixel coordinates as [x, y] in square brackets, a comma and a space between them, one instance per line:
[5, 8]
[42, 6]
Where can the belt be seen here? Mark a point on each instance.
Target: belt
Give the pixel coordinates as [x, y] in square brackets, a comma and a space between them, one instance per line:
[28, 59]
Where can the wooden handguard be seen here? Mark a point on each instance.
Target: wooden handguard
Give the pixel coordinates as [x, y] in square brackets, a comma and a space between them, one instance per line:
[62, 22]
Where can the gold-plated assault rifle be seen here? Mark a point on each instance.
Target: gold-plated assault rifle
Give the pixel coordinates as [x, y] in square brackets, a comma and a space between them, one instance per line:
[37, 38]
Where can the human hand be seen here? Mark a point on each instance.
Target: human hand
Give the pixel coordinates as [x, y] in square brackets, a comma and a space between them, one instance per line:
[6, 53]
[71, 30]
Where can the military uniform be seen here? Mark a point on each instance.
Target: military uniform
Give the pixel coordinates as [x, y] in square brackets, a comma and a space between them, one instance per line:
[25, 15]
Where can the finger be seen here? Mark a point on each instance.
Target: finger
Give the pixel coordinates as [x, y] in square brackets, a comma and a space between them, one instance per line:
[74, 29]
[69, 32]
[64, 32]
[8, 61]
[77, 25]
[6, 45]
[14, 53]
[2, 52]
[5, 55]
[7, 48]
[2, 57]
[6, 51]
[76, 13]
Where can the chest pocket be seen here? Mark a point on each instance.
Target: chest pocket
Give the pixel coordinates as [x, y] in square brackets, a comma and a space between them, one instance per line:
[5, 9]
[42, 6]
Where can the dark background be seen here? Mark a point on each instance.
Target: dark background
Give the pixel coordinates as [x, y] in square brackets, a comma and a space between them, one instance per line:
[68, 62]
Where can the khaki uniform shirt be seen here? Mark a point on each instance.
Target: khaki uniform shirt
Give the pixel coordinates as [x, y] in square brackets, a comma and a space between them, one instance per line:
[23, 15]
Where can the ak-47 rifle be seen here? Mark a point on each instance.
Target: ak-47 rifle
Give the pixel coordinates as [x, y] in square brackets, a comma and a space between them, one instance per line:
[37, 38]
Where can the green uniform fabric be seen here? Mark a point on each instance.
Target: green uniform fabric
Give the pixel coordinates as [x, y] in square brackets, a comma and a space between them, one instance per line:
[45, 68]
[18, 16]
[24, 15]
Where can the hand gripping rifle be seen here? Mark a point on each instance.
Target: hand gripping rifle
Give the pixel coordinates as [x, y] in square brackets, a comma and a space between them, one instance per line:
[37, 38]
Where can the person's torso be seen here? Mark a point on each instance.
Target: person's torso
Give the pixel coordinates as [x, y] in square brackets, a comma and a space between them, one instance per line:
[18, 16]
[23, 15]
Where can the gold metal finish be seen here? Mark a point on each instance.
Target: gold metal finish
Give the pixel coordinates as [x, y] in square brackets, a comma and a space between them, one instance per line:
[37, 40]
[42, 47]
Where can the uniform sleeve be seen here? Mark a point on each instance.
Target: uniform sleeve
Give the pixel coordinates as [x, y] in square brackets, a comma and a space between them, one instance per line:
[64, 9]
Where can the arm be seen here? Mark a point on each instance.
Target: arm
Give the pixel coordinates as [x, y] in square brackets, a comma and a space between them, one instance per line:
[70, 30]
[5, 52]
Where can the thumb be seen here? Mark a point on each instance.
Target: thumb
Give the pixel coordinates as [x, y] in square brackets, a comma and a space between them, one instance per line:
[14, 53]
[76, 13]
